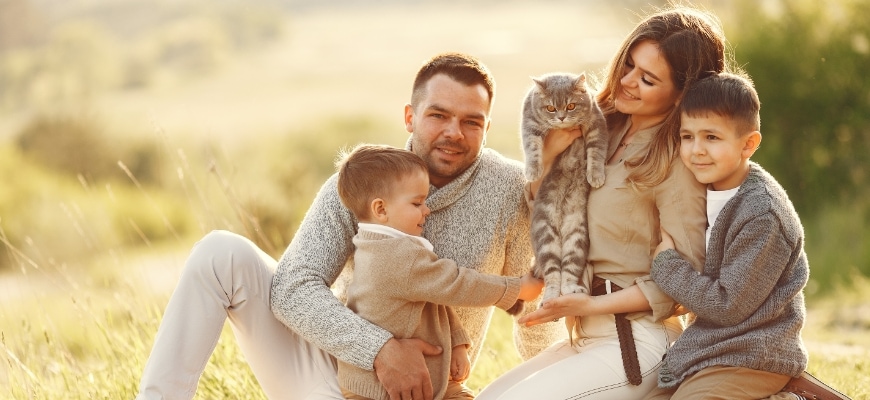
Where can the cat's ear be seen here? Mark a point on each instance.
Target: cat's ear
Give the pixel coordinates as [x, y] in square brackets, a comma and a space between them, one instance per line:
[542, 84]
[580, 82]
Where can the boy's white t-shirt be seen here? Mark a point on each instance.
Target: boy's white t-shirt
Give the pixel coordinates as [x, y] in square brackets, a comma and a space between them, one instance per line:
[390, 231]
[716, 200]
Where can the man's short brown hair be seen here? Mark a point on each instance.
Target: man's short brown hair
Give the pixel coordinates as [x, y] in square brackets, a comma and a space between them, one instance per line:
[460, 67]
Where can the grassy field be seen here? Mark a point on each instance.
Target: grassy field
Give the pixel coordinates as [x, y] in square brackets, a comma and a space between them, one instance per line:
[76, 335]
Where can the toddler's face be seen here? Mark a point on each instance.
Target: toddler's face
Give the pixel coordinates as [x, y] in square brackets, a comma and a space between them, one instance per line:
[405, 207]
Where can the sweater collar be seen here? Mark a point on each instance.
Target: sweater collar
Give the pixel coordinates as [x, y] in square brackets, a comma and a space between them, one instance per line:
[392, 232]
[440, 198]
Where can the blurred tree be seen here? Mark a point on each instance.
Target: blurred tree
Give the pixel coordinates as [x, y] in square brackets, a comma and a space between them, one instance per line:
[809, 60]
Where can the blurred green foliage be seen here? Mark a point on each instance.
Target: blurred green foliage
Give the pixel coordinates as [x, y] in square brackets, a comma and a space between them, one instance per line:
[120, 46]
[809, 60]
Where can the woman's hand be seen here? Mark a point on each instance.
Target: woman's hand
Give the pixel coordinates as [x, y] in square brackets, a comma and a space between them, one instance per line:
[575, 304]
[556, 142]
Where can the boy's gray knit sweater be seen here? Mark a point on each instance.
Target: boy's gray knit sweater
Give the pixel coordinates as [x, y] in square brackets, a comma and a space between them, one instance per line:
[480, 221]
[748, 300]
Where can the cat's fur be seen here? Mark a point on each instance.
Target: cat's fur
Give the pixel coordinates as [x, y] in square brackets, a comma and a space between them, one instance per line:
[560, 235]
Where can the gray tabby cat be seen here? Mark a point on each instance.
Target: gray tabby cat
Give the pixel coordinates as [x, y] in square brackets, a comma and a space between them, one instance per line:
[560, 234]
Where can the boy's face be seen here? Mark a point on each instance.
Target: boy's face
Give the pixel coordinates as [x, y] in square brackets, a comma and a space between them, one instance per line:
[405, 208]
[714, 151]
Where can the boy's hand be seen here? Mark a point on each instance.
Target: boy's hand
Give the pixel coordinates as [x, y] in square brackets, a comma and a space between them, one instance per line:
[460, 365]
[530, 287]
[667, 243]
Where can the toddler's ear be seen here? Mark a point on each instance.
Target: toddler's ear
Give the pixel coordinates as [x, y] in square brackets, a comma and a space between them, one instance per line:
[378, 210]
[751, 143]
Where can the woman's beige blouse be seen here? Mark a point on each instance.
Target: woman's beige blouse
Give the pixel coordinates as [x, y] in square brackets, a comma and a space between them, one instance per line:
[624, 222]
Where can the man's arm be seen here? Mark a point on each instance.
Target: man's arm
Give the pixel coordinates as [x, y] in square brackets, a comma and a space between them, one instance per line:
[301, 297]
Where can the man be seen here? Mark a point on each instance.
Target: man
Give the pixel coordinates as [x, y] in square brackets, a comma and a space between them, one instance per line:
[478, 218]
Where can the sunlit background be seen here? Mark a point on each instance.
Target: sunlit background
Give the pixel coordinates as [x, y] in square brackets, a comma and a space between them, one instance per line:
[129, 128]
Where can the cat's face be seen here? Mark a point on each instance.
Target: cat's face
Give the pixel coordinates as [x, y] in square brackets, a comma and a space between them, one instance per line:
[448, 127]
[562, 102]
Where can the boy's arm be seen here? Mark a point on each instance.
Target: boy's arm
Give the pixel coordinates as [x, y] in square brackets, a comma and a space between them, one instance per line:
[752, 265]
[301, 298]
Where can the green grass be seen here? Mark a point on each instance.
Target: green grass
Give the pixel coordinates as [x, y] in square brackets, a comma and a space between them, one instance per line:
[76, 335]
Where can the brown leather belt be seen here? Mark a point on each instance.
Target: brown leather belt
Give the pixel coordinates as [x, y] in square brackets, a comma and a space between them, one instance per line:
[623, 331]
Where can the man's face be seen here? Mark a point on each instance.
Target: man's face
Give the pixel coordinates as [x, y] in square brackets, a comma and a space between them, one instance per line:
[448, 126]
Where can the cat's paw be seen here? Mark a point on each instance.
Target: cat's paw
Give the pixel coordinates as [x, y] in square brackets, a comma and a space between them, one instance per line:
[595, 177]
[549, 293]
[569, 288]
[533, 172]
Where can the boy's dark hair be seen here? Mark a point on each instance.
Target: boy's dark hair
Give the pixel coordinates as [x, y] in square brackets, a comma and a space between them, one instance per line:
[460, 67]
[370, 171]
[728, 95]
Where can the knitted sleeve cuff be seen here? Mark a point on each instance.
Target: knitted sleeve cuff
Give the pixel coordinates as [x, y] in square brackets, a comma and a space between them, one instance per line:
[458, 337]
[511, 293]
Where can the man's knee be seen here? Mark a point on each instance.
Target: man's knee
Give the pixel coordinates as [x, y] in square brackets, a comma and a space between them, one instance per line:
[219, 250]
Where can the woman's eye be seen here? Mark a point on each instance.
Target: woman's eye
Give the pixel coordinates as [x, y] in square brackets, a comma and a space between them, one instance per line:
[571, 106]
[551, 109]
[645, 81]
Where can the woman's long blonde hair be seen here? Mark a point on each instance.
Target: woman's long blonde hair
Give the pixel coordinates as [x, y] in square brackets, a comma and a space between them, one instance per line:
[694, 46]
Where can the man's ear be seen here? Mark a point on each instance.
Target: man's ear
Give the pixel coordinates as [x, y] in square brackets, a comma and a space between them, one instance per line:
[751, 143]
[409, 118]
[378, 210]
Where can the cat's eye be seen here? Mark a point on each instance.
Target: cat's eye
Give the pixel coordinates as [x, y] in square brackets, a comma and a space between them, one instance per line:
[551, 109]
[571, 106]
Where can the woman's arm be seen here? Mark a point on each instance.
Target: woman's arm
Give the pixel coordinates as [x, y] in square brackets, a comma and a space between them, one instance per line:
[628, 300]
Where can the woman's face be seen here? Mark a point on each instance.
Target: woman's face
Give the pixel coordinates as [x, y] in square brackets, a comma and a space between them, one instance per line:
[647, 92]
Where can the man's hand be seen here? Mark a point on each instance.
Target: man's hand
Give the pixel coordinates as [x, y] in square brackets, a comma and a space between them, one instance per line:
[402, 370]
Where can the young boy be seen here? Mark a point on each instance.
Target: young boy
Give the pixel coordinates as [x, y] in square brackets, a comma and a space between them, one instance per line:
[399, 283]
[747, 300]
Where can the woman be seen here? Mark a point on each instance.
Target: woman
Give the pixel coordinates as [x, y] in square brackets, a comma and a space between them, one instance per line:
[646, 188]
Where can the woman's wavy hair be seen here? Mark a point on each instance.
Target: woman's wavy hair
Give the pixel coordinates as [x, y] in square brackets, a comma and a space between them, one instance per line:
[693, 44]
